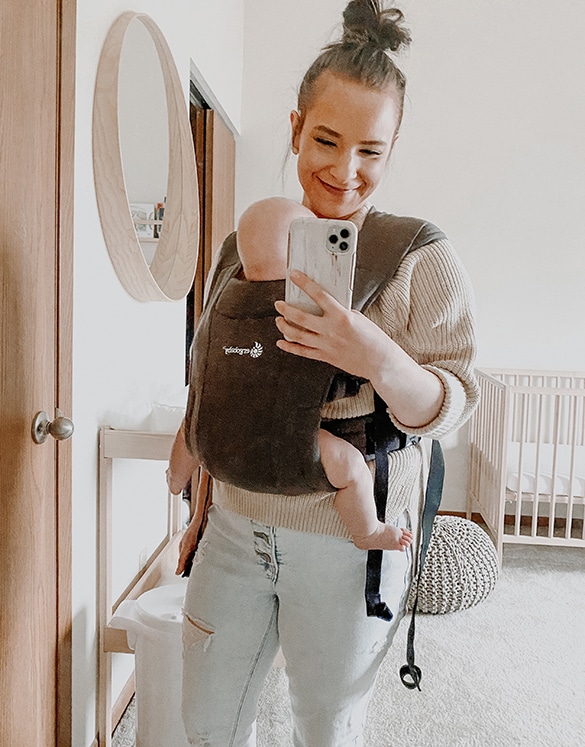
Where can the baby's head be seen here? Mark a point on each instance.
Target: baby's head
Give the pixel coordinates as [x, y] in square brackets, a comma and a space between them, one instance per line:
[263, 237]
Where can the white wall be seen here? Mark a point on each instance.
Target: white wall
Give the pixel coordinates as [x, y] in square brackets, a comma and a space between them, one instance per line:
[126, 354]
[491, 150]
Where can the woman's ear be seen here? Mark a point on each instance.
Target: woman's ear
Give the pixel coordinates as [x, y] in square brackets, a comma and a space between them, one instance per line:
[295, 125]
[392, 144]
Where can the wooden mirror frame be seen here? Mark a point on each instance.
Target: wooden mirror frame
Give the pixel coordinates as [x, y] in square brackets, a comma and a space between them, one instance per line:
[170, 275]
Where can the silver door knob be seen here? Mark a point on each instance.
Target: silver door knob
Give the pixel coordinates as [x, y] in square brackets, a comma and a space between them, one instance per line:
[61, 428]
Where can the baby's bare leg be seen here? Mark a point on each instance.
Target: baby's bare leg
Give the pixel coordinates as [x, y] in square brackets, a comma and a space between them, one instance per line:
[347, 470]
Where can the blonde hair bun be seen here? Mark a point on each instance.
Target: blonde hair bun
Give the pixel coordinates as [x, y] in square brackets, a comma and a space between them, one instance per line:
[365, 22]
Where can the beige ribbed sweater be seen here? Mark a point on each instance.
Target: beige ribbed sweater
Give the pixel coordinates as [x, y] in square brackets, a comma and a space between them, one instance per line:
[427, 309]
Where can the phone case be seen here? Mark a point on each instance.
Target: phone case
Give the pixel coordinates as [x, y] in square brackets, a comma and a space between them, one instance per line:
[325, 250]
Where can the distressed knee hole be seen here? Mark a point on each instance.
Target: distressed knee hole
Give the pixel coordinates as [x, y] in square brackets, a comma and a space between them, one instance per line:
[195, 632]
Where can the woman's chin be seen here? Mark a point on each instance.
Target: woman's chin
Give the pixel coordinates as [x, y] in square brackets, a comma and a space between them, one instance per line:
[335, 207]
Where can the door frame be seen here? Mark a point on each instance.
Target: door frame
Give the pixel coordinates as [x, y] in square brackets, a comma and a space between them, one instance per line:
[66, 72]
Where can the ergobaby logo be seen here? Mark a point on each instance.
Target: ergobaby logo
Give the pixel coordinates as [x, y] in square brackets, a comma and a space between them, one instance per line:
[254, 352]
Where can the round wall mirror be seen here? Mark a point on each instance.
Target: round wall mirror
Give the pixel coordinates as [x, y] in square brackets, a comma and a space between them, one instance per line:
[144, 163]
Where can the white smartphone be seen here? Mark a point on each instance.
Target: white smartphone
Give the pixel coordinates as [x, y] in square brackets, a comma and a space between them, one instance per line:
[325, 250]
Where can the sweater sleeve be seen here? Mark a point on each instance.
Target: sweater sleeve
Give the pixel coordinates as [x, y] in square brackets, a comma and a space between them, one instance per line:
[427, 308]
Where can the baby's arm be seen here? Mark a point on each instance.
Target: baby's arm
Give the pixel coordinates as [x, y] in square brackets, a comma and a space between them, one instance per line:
[182, 463]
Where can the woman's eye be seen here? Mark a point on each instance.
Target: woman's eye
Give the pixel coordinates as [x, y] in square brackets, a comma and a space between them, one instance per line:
[367, 152]
[324, 141]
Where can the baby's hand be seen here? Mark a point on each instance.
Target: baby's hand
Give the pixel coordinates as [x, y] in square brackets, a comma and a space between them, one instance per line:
[182, 464]
[175, 484]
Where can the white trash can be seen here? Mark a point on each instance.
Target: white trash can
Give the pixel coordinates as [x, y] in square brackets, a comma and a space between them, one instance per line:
[153, 623]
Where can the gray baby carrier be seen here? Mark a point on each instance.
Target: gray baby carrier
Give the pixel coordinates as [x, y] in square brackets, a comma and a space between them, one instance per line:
[254, 410]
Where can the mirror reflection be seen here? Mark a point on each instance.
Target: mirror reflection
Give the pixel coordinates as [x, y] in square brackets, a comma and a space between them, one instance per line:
[144, 137]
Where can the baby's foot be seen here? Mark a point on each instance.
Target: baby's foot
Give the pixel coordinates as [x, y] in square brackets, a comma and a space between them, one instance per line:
[385, 537]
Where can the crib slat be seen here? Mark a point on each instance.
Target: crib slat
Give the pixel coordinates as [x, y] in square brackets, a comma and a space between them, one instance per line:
[521, 397]
[537, 480]
[553, 492]
[571, 496]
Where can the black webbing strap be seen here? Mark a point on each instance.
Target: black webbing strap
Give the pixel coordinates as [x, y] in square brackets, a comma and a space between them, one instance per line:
[375, 607]
[382, 436]
[410, 674]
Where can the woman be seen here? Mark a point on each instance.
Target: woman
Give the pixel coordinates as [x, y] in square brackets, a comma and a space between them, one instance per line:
[280, 570]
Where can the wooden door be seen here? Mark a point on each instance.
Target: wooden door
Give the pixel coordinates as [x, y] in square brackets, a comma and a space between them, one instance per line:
[215, 153]
[221, 165]
[37, 89]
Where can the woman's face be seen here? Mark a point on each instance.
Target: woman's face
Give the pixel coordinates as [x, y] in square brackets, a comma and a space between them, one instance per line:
[343, 144]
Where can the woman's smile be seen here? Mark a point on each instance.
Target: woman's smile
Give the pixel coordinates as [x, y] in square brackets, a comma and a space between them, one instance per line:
[336, 190]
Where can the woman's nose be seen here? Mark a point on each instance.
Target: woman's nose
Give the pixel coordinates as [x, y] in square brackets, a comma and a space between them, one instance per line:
[344, 168]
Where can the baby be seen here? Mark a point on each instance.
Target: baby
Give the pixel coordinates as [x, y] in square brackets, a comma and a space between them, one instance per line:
[262, 245]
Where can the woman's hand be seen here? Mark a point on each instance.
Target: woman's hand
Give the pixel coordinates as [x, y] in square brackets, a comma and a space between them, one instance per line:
[353, 343]
[344, 338]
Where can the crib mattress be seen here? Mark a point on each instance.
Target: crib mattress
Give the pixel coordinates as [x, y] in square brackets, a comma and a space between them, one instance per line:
[530, 470]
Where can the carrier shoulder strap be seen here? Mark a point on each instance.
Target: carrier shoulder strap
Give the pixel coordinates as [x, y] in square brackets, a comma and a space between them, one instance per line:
[384, 241]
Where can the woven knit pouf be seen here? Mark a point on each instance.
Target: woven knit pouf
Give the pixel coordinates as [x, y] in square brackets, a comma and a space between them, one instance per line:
[461, 567]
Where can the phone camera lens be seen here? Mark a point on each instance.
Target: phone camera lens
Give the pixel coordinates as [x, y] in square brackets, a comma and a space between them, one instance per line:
[344, 246]
[333, 239]
[344, 233]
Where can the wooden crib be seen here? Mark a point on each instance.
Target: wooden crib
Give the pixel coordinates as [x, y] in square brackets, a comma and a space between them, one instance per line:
[527, 457]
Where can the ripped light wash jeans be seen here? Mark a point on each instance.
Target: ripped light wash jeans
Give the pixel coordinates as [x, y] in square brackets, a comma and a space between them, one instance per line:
[255, 587]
